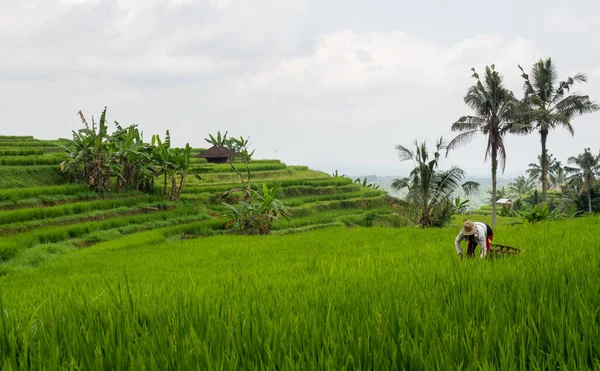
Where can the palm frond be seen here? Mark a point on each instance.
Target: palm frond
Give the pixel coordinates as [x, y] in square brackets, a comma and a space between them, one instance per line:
[404, 153]
[461, 139]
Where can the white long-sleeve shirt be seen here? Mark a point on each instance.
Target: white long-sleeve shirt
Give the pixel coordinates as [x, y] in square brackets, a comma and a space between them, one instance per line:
[480, 238]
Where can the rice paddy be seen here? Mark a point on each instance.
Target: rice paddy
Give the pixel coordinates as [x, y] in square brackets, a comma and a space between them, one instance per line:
[133, 282]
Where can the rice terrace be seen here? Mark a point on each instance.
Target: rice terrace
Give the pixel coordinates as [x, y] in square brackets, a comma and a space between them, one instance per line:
[120, 250]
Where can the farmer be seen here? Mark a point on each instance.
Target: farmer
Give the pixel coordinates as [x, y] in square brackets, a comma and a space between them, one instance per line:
[476, 233]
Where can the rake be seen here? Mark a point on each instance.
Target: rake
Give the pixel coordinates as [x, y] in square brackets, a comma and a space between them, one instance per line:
[503, 249]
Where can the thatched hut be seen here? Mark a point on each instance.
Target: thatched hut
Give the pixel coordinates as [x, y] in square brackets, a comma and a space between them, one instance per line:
[218, 154]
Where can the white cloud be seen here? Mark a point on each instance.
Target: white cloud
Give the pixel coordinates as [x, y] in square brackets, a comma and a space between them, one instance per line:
[348, 60]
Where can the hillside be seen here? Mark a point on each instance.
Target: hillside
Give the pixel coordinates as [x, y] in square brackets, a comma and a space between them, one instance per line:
[39, 205]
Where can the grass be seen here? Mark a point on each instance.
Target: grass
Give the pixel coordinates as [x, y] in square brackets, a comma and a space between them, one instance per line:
[16, 138]
[27, 144]
[15, 216]
[226, 168]
[30, 176]
[288, 173]
[17, 194]
[4, 151]
[46, 159]
[333, 298]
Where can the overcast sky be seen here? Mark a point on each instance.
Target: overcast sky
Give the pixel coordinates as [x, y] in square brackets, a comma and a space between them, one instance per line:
[333, 84]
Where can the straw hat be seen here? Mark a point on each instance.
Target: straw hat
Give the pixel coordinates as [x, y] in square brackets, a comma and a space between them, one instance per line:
[469, 228]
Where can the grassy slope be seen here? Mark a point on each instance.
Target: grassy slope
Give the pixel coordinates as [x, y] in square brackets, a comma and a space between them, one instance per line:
[37, 207]
[334, 298]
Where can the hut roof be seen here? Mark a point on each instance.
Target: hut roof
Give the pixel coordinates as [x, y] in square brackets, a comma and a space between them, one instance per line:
[218, 151]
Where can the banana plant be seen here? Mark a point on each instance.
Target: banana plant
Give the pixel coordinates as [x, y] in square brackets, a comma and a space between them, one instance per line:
[219, 140]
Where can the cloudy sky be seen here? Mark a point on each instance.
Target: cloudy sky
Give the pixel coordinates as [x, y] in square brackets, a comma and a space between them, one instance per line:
[333, 84]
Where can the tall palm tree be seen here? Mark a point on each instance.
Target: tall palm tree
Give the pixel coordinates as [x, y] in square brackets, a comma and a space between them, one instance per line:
[494, 115]
[429, 188]
[587, 167]
[549, 103]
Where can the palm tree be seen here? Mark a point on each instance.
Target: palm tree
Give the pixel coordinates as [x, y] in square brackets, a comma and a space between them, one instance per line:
[557, 175]
[549, 103]
[429, 189]
[500, 193]
[521, 186]
[587, 167]
[494, 108]
[535, 169]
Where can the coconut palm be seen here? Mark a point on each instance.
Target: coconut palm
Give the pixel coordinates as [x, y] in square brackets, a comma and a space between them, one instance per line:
[587, 167]
[521, 186]
[549, 103]
[557, 175]
[495, 112]
[429, 189]
[535, 169]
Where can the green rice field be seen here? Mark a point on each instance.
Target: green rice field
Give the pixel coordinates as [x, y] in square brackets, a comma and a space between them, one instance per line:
[128, 281]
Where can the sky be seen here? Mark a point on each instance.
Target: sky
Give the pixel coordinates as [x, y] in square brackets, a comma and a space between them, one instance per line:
[331, 84]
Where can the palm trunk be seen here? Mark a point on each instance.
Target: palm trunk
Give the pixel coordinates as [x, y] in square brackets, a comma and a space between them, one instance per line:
[544, 164]
[589, 194]
[494, 169]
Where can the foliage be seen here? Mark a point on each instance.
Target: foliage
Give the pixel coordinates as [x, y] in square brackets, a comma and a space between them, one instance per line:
[587, 167]
[429, 189]
[538, 213]
[96, 157]
[494, 116]
[257, 212]
[500, 193]
[549, 103]
[460, 206]
[365, 183]
[521, 186]
[217, 140]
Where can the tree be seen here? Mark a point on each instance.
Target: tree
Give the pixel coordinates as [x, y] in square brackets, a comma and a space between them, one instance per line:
[521, 186]
[535, 170]
[218, 140]
[94, 157]
[549, 103]
[557, 175]
[500, 193]
[429, 189]
[495, 112]
[587, 167]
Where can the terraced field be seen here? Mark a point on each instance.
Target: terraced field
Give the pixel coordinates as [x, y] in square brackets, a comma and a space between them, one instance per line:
[42, 214]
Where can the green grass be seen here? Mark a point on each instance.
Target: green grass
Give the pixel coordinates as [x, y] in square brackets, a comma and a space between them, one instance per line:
[288, 173]
[226, 168]
[299, 201]
[16, 194]
[27, 144]
[88, 233]
[46, 159]
[15, 216]
[4, 151]
[327, 299]
[16, 138]
[30, 176]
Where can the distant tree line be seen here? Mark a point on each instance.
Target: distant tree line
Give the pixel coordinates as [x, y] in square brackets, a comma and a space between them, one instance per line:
[547, 103]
